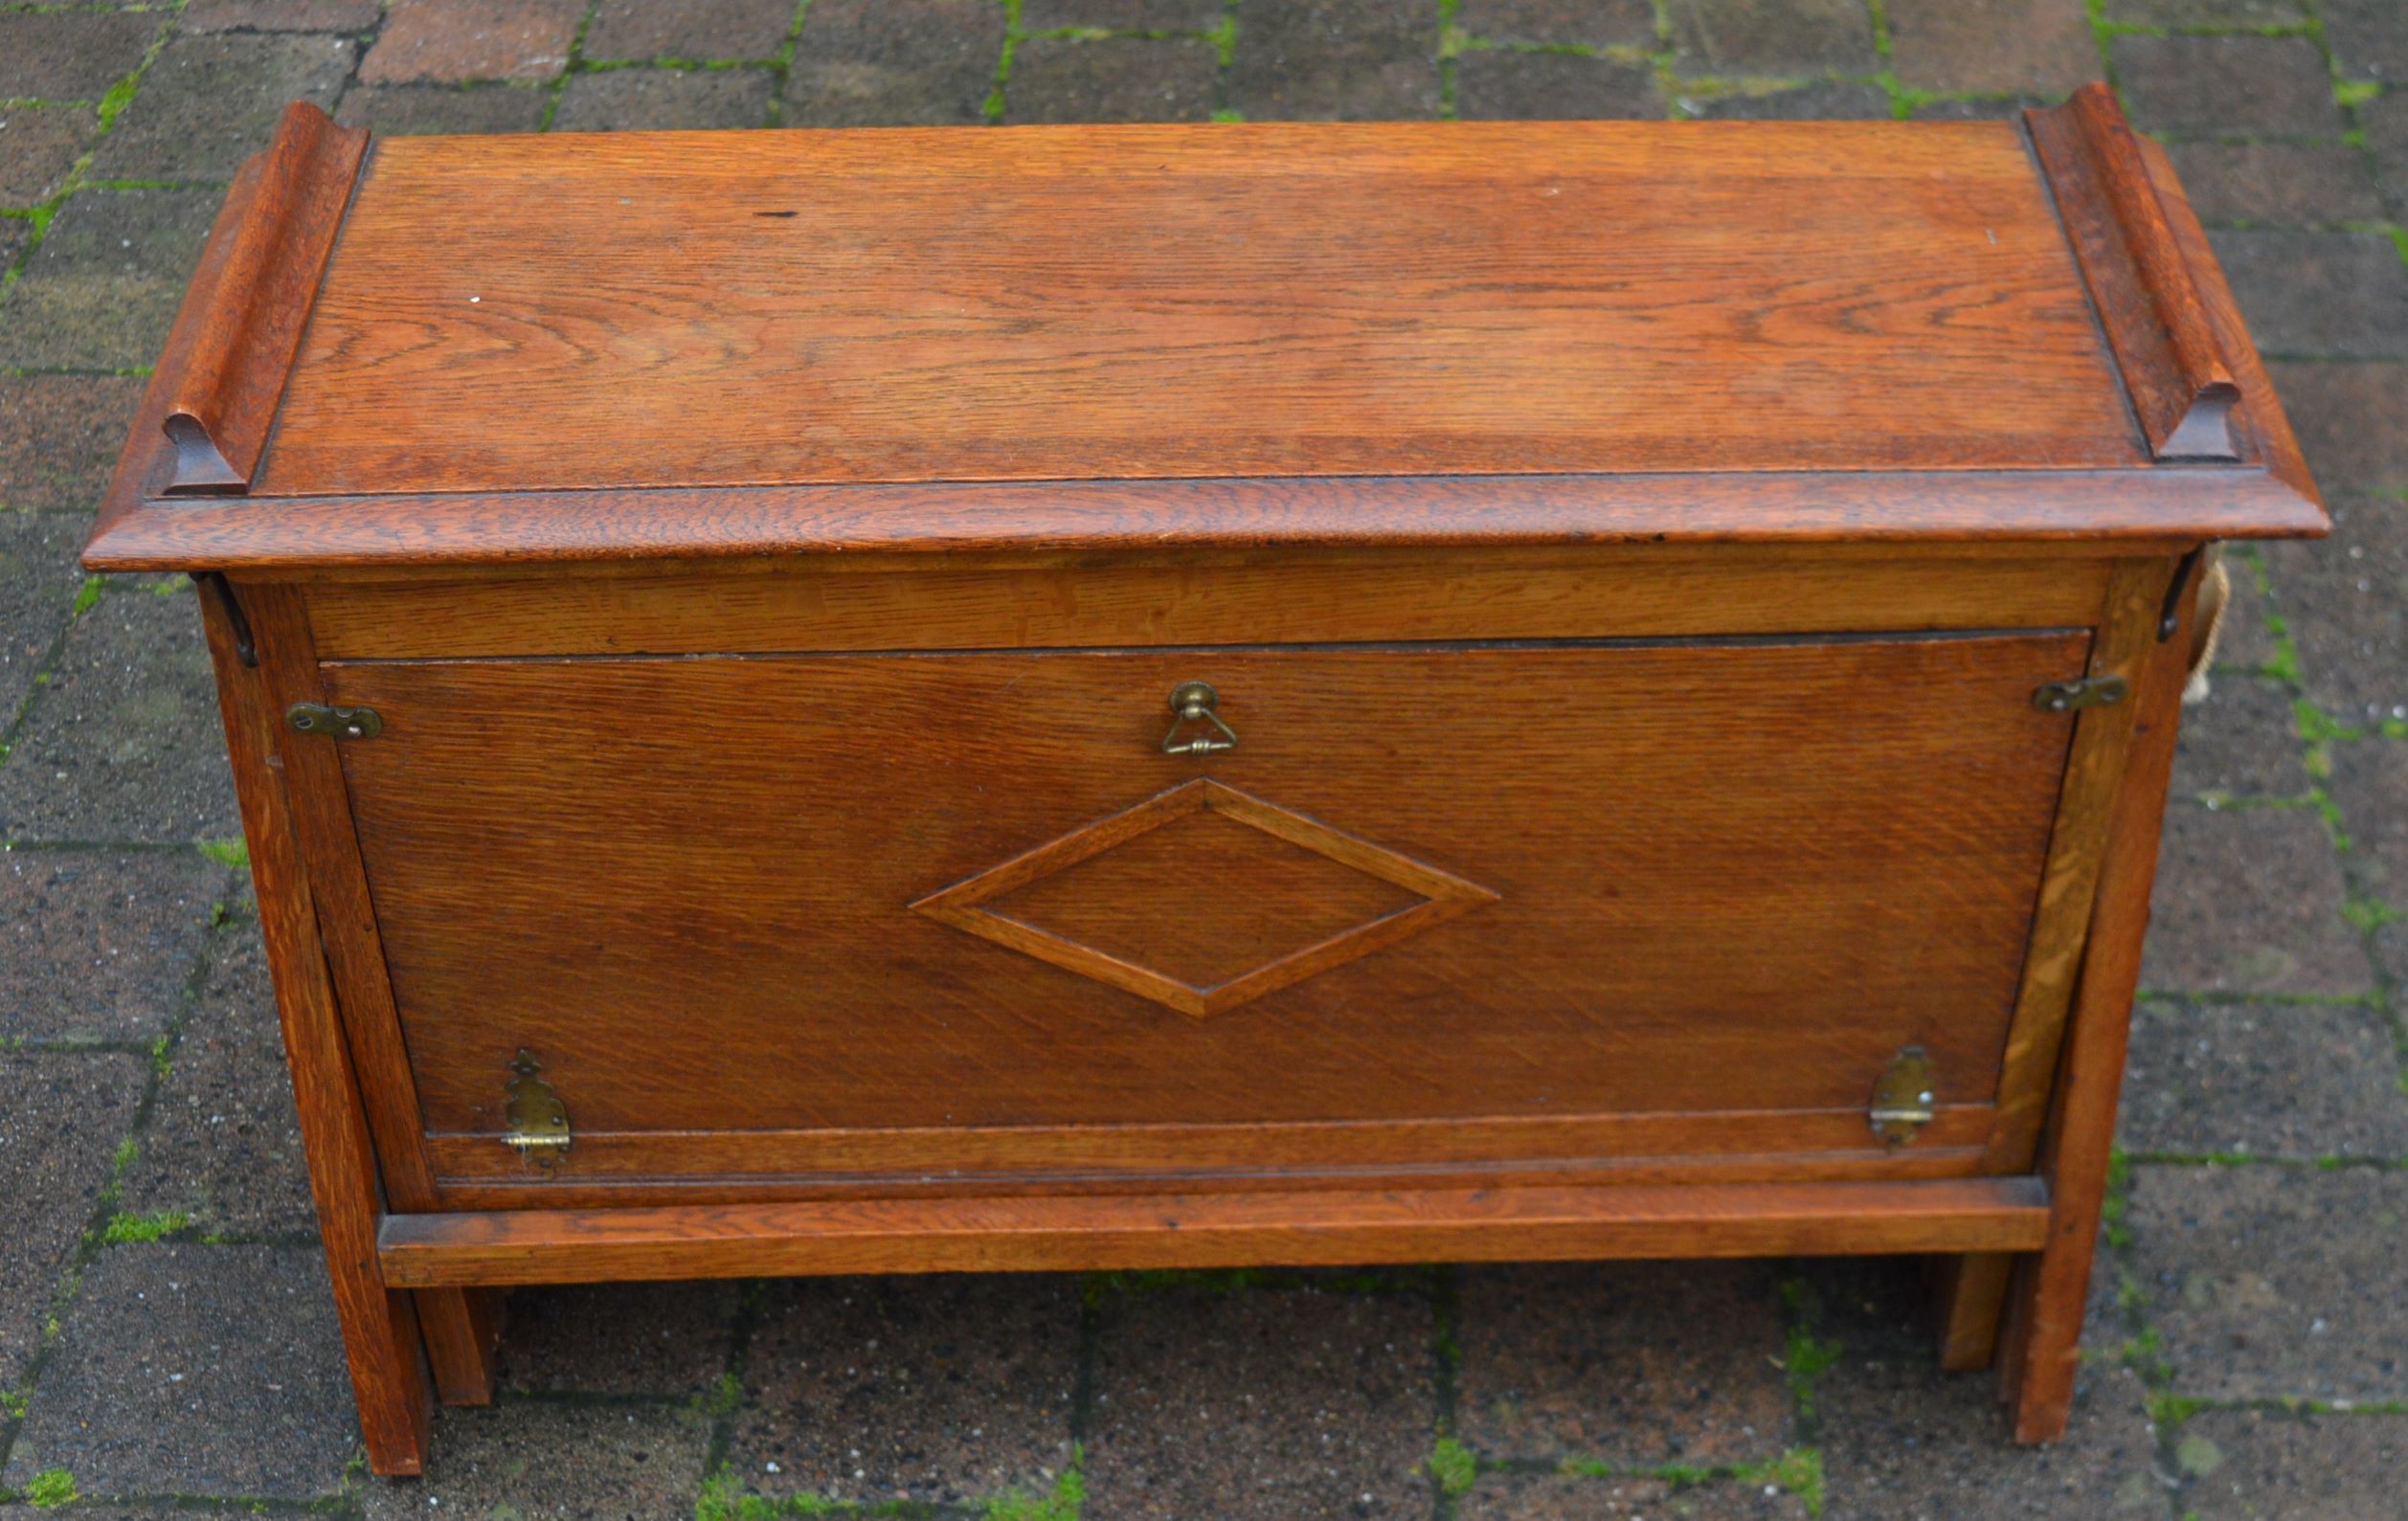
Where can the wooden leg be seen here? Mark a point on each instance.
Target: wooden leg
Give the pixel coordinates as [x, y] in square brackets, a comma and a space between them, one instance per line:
[2042, 1333]
[1969, 1291]
[462, 1327]
[380, 1328]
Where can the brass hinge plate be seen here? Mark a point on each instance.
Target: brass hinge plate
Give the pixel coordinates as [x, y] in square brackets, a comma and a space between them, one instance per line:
[537, 1120]
[339, 722]
[1903, 1097]
[2091, 691]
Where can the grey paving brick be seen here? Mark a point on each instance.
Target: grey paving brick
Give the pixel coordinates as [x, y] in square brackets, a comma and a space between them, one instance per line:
[60, 436]
[2386, 123]
[38, 578]
[279, 15]
[1980, 109]
[1261, 1405]
[2273, 1282]
[17, 234]
[100, 944]
[1122, 16]
[231, 1349]
[2206, 13]
[691, 30]
[2267, 1079]
[902, 63]
[1336, 61]
[2277, 1466]
[2213, 86]
[2369, 38]
[1117, 79]
[941, 1389]
[2043, 47]
[2352, 418]
[2244, 640]
[2369, 786]
[2339, 295]
[655, 100]
[447, 40]
[38, 145]
[209, 102]
[393, 110]
[1633, 1364]
[1822, 102]
[102, 287]
[618, 1338]
[2241, 742]
[1585, 23]
[2299, 184]
[2249, 901]
[1771, 38]
[61, 1115]
[1541, 86]
[539, 1458]
[2344, 600]
[70, 55]
[125, 744]
[1562, 1497]
[223, 1144]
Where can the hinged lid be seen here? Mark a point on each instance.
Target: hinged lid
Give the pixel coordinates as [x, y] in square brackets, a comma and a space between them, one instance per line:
[673, 344]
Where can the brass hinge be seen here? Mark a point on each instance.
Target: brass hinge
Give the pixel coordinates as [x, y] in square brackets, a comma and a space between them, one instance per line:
[538, 1121]
[1901, 1099]
[2091, 691]
[341, 723]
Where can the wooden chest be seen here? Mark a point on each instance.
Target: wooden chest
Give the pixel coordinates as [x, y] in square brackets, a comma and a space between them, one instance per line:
[1065, 697]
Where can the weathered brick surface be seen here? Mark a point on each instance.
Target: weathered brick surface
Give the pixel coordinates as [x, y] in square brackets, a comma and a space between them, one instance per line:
[399, 109]
[124, 742]
[1337, 59]
[541, 1459]
[279, 15]
[2369, 786]
[443, 40]
[712, 28]
[1123, 15]
[38, 578]
[1993, 46]
[38, 145]
[2245, 640]
[2344, 602]
[2339, 295]
[1562, 1497]
[894, 62]
[2249, 901]
[105, 285]
[1824, 102]
[210, 103]
[1261, 1405]
[2277, 1465]
[660, 99]
[1552, 85]
[1117, 79]
[2353, 421]
[100, 944]
[1633, 1364]
[2271, 1282]
[936, 1389]
[2206, 13]
[233, 1349]
[2304, 184]
[61, 1114]
[69, 54]
[223, 1144]
[618, 1338]
[2369, 38]
[1585, 23]
[2269, 1079]
[2240, 742]
[1772, 38]
[2220, 85]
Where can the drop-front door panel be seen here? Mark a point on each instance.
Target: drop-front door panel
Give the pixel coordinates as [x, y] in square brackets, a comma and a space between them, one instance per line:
[818, 901]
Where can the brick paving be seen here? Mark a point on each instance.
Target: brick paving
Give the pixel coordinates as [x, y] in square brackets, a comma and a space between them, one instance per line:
[165, 1339]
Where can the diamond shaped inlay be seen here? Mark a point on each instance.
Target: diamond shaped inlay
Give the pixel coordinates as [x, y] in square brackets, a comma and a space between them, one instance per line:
[1354, 899]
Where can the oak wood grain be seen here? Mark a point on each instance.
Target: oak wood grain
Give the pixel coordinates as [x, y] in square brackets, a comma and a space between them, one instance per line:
[1211, 1230]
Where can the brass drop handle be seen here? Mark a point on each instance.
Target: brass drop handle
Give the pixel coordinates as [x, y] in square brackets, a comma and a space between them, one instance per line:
[1194, 703]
